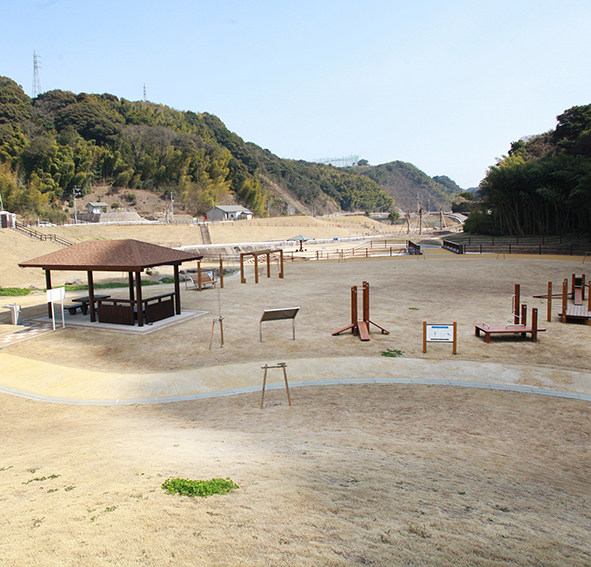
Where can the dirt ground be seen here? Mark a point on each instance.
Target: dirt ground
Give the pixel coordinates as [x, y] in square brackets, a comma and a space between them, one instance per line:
[349, 475]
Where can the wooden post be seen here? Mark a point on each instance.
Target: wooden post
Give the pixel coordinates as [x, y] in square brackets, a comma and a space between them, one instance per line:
[549, 313]
[281, 264]
[91, 296]
[221, 273]
[199, 276]
[268, 264]
[131, 284]
[48, 286]
[242, 278]
[177, 289]
[256, 268]
[455, 347]
[424, 337]
[564, 299]
[516, 304]
[534, 325]
[138, 289]
[523, 316]
[354, 309]
[366, 301]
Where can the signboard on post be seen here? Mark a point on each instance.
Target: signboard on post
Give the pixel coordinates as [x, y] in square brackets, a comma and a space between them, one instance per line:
[53, 295]
[440, 334]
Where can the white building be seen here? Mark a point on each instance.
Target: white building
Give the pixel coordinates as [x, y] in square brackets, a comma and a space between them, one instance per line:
[230, 212]
[96, 208]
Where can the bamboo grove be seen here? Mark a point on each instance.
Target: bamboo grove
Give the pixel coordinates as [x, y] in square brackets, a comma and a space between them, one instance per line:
[543, 185]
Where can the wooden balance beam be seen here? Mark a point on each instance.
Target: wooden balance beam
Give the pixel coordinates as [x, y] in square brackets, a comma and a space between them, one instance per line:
[360, 328]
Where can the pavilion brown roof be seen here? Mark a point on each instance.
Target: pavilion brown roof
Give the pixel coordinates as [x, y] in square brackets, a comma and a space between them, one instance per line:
[111, 256]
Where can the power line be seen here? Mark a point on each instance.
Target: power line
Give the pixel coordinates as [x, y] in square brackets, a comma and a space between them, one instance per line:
[36, 79]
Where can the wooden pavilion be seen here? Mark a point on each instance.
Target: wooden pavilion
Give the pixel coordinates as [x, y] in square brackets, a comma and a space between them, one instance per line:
[132, 256]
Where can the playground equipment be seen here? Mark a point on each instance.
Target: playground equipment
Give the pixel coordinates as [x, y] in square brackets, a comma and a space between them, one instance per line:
[255, 256]
[575, 310]
[282, 365]
[519, 325]
[360, 328]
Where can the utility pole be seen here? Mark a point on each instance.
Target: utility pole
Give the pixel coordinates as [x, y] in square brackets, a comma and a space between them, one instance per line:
[75, 193]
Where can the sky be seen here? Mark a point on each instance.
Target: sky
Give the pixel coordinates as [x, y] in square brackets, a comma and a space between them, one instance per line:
[446, 85]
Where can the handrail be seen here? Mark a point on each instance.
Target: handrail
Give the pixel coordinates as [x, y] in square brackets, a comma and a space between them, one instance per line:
[32, 233]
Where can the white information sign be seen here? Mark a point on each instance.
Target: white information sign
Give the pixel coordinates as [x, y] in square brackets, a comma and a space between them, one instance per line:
[440, 333]
[53, 295]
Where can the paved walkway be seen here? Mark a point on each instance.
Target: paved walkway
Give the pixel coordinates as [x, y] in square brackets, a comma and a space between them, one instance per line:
[53, 383]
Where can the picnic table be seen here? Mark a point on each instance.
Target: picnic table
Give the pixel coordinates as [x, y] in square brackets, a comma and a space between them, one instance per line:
[82, 303]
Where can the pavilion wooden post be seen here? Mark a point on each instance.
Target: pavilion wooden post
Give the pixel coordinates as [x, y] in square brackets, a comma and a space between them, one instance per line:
[199, 276]
[549, 312]
[242, 278]
[91, 297]
[268, 264]
[281, 264]
[48, 286]
[221, 273]
[256, 268]
[130, 282]
[138, 302]
[177, 289]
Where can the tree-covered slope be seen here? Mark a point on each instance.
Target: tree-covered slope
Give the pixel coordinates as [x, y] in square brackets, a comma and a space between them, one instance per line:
[60, 141]
[405, 183]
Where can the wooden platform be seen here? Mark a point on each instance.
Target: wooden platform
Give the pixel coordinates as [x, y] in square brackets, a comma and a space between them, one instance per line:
[489, 330]
[577, 312]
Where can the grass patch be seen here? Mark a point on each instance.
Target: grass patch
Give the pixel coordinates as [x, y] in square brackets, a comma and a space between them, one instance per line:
[14, 291]
[111, 285]
[393, 353]
[202, 488]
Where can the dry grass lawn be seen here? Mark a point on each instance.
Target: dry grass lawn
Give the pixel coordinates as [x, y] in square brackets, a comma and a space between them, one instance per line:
[349, 475]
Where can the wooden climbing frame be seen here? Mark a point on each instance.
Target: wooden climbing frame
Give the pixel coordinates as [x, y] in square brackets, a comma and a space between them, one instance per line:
[360, 328]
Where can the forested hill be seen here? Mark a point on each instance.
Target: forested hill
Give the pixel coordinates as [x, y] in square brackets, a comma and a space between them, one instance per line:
[60, 141]
[543, 185]
[407, 184]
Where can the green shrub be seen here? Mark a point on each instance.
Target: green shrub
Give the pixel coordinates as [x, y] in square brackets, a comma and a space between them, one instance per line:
[202, 488]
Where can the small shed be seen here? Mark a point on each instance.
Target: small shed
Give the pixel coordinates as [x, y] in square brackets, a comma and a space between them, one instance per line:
[7, 220]
[96, 208]
[229, 212]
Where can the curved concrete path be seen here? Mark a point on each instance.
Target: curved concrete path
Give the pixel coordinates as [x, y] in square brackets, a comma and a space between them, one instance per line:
[54, 383]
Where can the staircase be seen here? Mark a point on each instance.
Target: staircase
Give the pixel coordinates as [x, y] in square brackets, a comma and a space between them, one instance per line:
[205, 236]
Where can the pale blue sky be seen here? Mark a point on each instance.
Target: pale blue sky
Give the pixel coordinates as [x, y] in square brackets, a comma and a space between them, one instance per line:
[445, 85]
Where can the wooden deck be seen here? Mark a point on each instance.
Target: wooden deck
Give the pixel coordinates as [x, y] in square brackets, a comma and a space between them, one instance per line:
[577, 312]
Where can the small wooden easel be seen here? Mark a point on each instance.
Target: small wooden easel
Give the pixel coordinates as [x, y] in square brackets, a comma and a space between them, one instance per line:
[360, 328]
[219, 320]
[278, 365]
